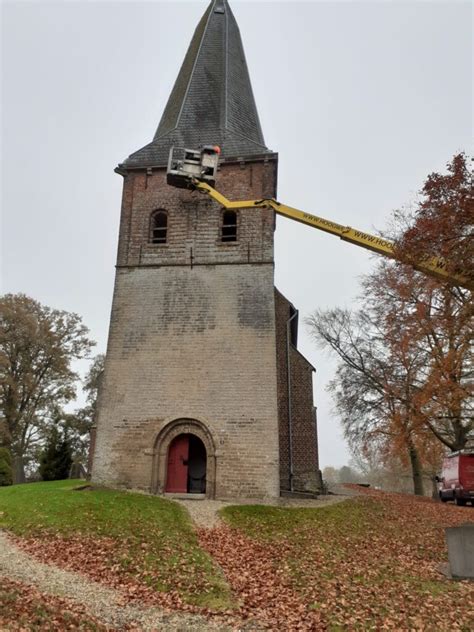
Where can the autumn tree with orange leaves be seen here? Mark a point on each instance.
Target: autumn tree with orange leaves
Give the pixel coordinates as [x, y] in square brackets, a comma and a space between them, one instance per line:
[405, 378]
[443, 223]
[440, 316]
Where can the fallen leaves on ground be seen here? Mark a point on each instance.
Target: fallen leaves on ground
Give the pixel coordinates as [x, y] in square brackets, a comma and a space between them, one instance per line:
[368, 563]
[264, 589]
[122, 536]
[23, 608]
[121, 565]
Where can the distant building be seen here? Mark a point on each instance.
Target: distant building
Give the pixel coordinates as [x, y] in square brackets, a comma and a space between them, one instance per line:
[196, 394]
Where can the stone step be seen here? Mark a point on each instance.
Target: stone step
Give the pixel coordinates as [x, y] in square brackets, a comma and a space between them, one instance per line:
[288, 494]
[185, 496]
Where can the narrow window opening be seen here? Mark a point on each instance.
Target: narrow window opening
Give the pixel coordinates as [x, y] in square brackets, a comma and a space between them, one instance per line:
[229, 226]
[159, 227]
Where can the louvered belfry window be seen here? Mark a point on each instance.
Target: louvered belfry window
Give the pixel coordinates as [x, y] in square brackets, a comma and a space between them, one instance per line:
[229, 226]
[159, 227]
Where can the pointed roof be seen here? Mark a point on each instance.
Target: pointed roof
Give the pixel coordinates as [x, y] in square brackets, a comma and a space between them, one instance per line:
[212, 100]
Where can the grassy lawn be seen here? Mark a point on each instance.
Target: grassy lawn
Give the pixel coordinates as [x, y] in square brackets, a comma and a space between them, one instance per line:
[119, 533]
[365, 563]
[368, 563]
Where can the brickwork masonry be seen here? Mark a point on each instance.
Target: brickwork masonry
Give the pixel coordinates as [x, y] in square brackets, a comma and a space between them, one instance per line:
[304, 437]
[192, 337]
[193, 343]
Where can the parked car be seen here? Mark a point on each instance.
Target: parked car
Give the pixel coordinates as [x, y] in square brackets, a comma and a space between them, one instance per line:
[456, 481]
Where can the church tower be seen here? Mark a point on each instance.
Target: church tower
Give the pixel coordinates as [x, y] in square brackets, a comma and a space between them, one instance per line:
[203, 388]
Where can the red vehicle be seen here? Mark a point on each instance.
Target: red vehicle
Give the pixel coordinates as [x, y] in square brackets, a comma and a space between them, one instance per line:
[457, 478]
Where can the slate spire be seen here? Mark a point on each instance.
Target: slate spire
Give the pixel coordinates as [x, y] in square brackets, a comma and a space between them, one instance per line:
[212, 100]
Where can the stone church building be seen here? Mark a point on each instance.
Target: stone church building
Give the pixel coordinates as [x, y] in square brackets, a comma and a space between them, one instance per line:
[204, 389]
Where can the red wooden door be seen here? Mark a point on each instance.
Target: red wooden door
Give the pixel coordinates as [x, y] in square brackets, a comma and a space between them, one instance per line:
[178, 454]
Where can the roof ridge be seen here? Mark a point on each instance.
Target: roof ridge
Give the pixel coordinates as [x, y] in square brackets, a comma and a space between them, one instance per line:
[252, 140]
[191, 74]
[226, 69]
[212, 100]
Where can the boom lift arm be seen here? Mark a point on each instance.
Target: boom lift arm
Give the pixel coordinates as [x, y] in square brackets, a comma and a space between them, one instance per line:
[180, 175]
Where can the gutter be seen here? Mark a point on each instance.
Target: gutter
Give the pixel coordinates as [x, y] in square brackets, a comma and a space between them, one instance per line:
[290, 416]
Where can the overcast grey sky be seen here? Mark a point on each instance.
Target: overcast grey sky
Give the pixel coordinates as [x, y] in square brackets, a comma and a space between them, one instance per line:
[361, 100]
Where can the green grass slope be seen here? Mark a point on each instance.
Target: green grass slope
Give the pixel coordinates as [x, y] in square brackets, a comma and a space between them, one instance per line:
[372, 562]
[152, 537]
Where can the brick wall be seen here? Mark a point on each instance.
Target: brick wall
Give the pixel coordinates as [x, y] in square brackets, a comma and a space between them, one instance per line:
[303, 414]
[192, 336]
[195, 219]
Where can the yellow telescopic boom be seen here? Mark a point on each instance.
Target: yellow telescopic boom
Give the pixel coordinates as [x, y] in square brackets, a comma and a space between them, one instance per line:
[197, 169]
[435, 267]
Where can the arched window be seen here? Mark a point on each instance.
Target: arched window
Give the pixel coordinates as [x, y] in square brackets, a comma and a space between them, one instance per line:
[229, 226]
[159, 227]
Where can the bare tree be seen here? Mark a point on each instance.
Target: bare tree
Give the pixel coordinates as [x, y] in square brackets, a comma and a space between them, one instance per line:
[373, 388]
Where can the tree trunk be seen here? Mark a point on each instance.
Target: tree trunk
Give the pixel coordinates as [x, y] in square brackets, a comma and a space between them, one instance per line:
[18, 470]
[460, 434]
[5, 434]
[416, 471]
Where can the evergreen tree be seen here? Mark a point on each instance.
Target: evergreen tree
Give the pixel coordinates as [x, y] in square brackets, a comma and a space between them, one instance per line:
[6, 471]
[56, 459]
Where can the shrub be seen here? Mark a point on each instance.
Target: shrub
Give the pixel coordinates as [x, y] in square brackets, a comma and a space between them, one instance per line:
[6, 471]
[56, 459]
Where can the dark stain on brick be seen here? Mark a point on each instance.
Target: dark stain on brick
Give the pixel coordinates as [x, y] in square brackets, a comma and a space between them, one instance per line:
[187, 306]
[254, 306]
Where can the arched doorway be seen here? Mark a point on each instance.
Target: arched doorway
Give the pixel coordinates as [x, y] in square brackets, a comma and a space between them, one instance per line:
[161, 449]
[186, 465]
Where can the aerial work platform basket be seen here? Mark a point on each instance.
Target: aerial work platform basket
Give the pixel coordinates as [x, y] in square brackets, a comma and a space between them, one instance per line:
[186, 164]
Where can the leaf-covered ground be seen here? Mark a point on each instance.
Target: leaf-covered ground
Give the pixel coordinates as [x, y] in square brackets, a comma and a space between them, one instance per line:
[367, 563]
[142, 544]
[22, 607]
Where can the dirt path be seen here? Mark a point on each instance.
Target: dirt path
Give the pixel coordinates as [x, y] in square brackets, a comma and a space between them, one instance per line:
[102, 602]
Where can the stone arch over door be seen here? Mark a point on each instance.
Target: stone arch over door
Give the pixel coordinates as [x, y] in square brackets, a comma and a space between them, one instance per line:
[161, 451]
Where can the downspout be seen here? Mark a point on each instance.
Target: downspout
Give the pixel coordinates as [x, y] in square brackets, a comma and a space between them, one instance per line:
[290, 416]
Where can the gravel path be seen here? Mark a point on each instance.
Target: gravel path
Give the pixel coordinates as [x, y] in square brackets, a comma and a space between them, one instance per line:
[106, 603]
[102, 602]
[204, 513]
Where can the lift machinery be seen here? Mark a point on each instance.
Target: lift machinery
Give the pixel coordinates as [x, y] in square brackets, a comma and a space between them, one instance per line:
[197, 170]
